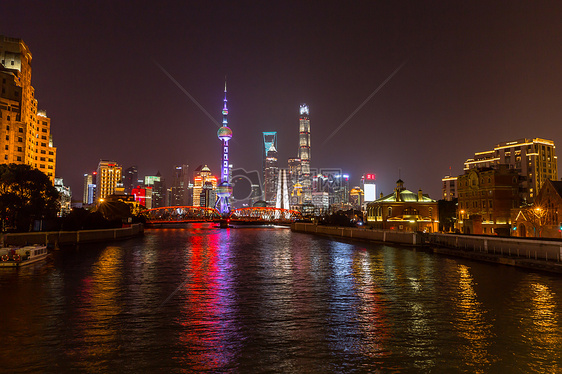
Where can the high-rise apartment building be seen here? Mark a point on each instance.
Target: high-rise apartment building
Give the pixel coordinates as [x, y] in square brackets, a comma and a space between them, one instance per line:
[534, 159]
[304, 152]
[25, 131]
[107, 179]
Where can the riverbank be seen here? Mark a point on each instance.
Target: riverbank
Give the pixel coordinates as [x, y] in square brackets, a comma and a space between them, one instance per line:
[544, 255]
[58, 238]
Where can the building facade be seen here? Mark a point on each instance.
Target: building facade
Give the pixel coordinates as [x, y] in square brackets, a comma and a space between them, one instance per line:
[25, 131]
[179, 192]
[130, 177]
[369, 187]
[202, 179]
[65, 197]
[542, 219]
[108, 179]
[534, 159]
[449, 188]
[486, 197]
[403, 210]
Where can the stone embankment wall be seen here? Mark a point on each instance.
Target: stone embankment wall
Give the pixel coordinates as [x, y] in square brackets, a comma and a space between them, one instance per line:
[73, 237]
[548, 250]
[399, 237]
[544, 255]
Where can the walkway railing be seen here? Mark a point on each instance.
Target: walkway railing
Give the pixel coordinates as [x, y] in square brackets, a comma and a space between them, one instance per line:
[526, 248]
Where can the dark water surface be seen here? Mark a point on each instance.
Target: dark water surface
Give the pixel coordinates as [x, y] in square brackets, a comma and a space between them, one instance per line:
[268, 300]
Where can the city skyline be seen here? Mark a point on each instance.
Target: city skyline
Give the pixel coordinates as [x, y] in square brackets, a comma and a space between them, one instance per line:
[474, 75]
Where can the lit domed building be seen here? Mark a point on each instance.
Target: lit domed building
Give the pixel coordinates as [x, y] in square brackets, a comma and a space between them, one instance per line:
[403, 210]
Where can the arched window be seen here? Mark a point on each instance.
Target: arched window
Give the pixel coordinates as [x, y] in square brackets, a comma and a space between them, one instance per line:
[389, 211]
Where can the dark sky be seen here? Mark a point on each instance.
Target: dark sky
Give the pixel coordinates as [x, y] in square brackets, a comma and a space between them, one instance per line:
[477, 73]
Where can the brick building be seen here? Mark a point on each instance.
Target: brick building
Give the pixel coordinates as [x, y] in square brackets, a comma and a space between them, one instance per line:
[544, 217]
[486, 197]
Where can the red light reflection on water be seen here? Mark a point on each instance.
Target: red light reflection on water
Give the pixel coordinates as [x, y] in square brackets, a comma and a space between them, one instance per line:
[206, 306]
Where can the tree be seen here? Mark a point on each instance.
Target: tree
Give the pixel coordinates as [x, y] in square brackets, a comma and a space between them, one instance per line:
[26, 194]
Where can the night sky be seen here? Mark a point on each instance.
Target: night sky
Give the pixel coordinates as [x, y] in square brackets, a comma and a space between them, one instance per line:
[474, 74]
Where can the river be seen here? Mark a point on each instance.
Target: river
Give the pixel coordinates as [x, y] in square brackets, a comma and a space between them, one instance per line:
[256, 300]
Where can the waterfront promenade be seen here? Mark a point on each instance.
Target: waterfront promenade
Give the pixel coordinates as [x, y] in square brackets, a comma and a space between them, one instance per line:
[56, 238]
[535, 254]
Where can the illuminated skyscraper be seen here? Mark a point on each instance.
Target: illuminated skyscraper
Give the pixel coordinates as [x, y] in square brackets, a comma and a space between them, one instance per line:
[130, 177]
[270, 172]
[304, 152]
[202, 176]
[180, 186]
[107, 179]
[269, 139]
[28, 137]
[224, 190]
[89, 189]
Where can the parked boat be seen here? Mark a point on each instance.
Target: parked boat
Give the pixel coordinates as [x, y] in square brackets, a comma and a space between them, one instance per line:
[21, 256]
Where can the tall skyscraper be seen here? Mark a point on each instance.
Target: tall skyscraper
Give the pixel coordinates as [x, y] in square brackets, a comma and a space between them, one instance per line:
[269, 139]
[180, 186]
[270, 173]
[295, 172]
[224, 190]
[130, 176]
[27, 137]
[108, 177]
[202, 175]
[158, 189]
[89, 188]
[304, 152]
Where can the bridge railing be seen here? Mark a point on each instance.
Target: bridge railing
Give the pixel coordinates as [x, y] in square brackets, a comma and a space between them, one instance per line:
[178, 214]
[181, 214]
[268, 214]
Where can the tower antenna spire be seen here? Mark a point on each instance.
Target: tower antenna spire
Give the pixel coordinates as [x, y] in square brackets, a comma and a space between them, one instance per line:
[224, 190]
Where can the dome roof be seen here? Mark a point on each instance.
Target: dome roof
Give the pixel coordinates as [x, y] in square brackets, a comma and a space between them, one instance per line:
[205, 168]
[224, 133]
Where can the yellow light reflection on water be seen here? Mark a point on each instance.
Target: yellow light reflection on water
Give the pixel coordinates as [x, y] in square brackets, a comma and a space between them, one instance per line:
[542, 329]
[101, 294]
[471, 324]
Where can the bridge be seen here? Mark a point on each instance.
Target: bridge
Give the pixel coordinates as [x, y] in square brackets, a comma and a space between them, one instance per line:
[192, 214]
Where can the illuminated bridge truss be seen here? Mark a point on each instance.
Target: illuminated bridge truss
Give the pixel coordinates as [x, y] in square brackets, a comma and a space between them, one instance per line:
[264, 215]
[180, 214]
[186, 214]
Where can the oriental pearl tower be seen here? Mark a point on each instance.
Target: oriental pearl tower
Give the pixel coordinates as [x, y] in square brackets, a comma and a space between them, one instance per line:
[224, 189]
